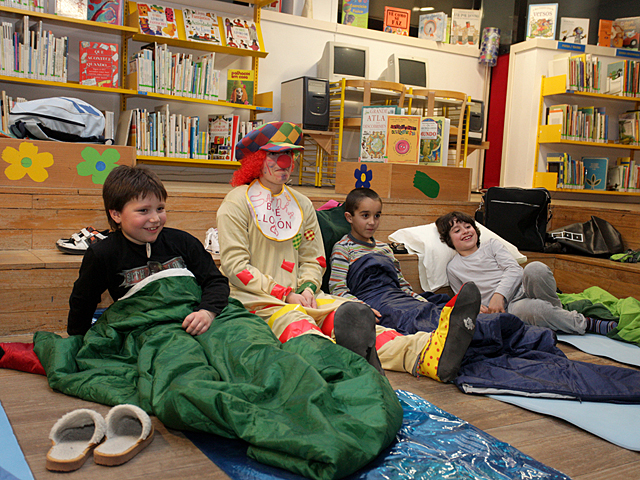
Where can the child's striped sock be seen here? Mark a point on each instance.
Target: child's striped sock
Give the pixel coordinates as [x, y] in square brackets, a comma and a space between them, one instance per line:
[602, 327]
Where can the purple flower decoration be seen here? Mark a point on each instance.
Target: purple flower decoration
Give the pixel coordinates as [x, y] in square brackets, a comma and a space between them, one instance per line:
[363, 177]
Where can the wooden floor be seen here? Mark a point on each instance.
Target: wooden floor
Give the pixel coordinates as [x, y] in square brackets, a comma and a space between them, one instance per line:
[32, 408]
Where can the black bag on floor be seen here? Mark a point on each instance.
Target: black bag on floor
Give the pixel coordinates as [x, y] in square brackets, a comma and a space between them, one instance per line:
[595, 237]
[519, 215]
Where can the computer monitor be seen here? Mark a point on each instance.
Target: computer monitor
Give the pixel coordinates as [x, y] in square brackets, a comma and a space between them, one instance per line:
[342, 60]
[410, 71]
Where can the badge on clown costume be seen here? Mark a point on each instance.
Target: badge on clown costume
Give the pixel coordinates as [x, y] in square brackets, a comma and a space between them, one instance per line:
[278, 217]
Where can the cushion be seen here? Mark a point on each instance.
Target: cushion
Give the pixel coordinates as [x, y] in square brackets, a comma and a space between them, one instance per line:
[433, 255]
[333, 226]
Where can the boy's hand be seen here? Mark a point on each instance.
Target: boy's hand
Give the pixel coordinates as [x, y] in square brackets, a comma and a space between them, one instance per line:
[496, 304]
[197, 323]
[377, 314]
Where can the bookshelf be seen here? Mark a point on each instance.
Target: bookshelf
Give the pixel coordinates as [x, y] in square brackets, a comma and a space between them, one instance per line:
[549, 138]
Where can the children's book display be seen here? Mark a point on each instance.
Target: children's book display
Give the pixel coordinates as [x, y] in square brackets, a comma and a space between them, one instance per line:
[605, 29]
[223, 134]
[541, 21]
[432, 26]
[158, 20]
[584, 124]
[574, 30]
[201, 26]
[397, 20]
[240, 86]
[403, 139]
[242, 33]
[373, 133]
[99, 64]
[106, 11]
[72, 8]
[355, 13]
[629, 29]
[465, 26]
[434, 141]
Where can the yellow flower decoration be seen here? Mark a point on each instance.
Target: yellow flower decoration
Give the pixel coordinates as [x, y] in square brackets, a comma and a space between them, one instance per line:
[27, 161]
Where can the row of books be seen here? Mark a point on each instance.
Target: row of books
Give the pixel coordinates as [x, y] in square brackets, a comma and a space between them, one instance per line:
[225, 131]
[594, 173]
[628, 124]
[624, 176]
[5, 108]
[623, 78]
[156, 69]
[105, 11]
[387, 135]
[32, 52]
[585, 124]
[571, 171]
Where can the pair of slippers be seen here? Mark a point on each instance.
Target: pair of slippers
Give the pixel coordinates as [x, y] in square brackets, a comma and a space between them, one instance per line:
[114, 440]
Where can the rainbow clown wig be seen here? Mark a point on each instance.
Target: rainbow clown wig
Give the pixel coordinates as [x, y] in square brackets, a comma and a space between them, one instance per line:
[252, 149]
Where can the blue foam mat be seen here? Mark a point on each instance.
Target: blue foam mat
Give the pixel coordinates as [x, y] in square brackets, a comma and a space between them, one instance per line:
[614, 422]
[431, 444]
[13, 465]
[602, 346]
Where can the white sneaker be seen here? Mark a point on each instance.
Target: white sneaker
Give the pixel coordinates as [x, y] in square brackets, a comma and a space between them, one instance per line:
[211, 241]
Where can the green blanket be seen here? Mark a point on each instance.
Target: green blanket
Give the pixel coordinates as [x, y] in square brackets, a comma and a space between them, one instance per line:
[308, 405]
[599, 303]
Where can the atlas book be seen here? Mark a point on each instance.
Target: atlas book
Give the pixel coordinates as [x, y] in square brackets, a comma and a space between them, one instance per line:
[201, 26]
[541, 21]
[595, 173]
[373, 133]
[397, 20]
[240, 86]
[465, 26]
[72, 8]
[157, 20]
[434, 141]
[403, 139]
[242, 33]
[99, 64]
[355, 13]
[574, 30]
[432, 26]
[106, 11]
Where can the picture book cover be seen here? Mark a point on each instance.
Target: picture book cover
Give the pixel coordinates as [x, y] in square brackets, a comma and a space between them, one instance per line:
[595, 173]
[465, 26]
[617, 34]
[615, 77]
[434, 141]
[158, 20]
[355, 13]
[275, 6]
[106, 11]
[240, 86]
[432, 26]
[605, 30]
[72, 8]
[403, 139]
[630, 32]
[223, 133]
[397, 20]
[201, 26]
[373, 133]
[628, 128]
[574, 30]
[242, 33]
[541, 21]
[99, 64]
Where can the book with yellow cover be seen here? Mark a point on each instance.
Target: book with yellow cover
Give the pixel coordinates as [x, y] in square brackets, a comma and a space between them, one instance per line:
[403, 139]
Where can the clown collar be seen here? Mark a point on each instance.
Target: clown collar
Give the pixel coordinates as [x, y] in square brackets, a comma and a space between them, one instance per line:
[278, 217]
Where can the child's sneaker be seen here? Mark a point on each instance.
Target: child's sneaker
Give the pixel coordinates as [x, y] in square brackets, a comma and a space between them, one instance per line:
[211, 241]
[79, 242]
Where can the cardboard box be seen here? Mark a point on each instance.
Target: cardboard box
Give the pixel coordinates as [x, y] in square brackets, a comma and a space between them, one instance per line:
[392, 180]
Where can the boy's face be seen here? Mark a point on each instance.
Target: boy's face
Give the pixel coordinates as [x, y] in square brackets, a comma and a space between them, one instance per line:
[365, 220]
[276, 170]
[141, 219]
[464, 238]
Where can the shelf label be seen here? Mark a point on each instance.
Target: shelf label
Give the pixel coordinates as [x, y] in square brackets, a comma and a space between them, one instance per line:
[573, 47]
[624, 52]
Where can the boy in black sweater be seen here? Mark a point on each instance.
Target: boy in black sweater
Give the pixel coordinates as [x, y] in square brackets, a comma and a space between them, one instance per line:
[134, 201]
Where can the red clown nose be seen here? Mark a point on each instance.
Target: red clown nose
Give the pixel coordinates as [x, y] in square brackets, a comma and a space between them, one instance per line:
[284, 161]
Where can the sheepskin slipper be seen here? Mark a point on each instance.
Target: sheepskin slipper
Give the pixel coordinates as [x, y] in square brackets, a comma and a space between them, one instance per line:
[129, 430]
[74, 436]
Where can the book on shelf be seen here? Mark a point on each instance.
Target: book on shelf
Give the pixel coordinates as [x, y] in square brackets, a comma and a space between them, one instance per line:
[396, 20]
[109, 127]
[605, 29]
[275, 6]
[223, 135]
[585, 73]
[595, 172]
[432, 26]
[624, 176]
[99, 64]
[628, 128]
[71, 8]
[240, 86]
[434, 141]
[106, 11]
[124, 127]
[403, 139]
[158, 20]
[615, 77]
[630, 32]
[465, 26]
[541, 21]
[242, 33]
[555, 163]
[202, 26]
[574, 30]
[355, 13]
[373, 132]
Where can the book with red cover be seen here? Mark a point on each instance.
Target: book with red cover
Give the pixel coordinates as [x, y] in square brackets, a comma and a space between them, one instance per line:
[397, 20]
[99, 64]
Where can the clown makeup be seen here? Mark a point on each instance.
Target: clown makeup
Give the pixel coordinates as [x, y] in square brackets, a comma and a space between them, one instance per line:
[276, 169]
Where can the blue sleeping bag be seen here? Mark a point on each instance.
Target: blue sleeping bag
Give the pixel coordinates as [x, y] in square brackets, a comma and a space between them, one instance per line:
[506, 356]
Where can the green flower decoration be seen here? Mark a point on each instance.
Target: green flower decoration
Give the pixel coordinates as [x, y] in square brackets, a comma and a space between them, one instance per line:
[98, 165]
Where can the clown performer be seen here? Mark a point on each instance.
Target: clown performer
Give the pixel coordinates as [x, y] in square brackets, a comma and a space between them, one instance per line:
[271, 251]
